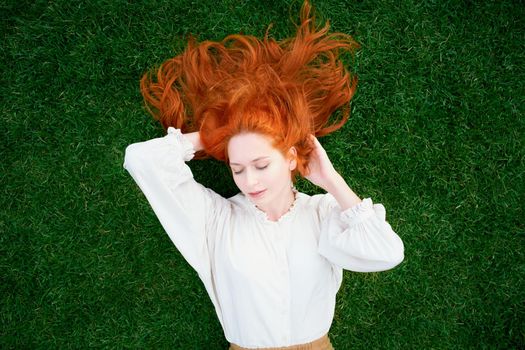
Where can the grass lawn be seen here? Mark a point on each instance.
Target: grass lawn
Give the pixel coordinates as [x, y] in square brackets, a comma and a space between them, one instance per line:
[436, 135]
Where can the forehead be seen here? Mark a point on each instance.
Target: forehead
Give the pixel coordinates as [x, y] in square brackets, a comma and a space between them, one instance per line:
[246, 147]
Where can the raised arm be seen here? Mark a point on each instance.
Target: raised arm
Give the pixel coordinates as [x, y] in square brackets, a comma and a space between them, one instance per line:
[188, 211]
[194, 138]
[354, 234]
[323, 174]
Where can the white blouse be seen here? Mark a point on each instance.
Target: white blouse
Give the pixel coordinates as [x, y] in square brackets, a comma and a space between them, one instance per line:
[273, 283]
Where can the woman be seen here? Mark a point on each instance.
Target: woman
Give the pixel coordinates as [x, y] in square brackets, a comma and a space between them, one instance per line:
[271, 258]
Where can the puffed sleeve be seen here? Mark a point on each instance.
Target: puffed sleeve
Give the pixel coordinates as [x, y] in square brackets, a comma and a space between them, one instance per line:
[360, 239]
[187, 210]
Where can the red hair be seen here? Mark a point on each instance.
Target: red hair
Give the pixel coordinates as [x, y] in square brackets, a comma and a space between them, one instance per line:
[286, 90]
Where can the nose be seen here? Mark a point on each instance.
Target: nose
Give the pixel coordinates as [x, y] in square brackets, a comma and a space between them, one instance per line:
[251, 178]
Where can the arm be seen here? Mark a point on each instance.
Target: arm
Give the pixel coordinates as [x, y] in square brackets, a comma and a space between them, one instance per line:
[354, 234]
[194, 138]
[323, 174]
[187, 210]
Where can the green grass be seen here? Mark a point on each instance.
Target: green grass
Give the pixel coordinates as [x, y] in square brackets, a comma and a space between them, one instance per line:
[436, 135]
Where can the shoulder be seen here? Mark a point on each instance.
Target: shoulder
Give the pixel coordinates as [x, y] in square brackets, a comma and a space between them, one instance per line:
[238, 199]
[243, 211]
[318, 201]
[239, 203]
[320, 204]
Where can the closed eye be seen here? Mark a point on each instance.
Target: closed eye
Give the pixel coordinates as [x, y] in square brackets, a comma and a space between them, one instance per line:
[257, 167]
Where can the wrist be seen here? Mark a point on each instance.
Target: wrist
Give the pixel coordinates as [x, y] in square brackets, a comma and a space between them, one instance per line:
[195, 139]
[344, 195]
[333, 182]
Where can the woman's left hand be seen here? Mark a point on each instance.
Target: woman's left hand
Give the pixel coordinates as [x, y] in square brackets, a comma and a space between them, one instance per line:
[321, 171]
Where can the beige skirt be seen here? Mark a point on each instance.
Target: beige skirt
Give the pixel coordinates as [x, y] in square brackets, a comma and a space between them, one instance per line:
[322, 343]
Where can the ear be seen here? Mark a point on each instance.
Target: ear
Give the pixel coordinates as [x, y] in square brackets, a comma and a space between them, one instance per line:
[292, 156]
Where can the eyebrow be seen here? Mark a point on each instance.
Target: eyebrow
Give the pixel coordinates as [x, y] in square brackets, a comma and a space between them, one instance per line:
[253, 161]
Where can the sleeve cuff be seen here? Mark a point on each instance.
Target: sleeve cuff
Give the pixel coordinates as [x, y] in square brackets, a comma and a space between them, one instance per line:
[175, 136]
[362, 211]
[179, 151]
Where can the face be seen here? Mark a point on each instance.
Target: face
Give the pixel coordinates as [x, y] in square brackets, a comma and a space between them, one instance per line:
[260, 170]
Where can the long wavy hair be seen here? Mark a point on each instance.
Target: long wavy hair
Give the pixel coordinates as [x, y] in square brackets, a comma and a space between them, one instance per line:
[284, 89]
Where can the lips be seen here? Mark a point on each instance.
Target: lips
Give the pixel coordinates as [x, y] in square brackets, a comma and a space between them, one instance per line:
[256, 194]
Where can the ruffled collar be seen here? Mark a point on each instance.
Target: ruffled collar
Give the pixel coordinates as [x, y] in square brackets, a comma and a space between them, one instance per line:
[261, 215]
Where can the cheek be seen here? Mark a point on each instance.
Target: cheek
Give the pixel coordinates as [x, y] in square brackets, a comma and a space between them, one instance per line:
[278, 175]
[238, 181]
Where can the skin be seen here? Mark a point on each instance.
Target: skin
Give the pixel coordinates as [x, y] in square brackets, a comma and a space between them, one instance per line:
[262, 173]
[257, 166]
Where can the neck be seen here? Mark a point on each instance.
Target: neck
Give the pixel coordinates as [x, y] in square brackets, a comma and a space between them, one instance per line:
[279, 207]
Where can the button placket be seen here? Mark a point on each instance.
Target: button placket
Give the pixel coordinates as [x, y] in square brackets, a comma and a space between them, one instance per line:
[284, 276]
[285, 312]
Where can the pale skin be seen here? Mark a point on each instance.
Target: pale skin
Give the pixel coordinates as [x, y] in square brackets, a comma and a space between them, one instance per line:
[250, 154]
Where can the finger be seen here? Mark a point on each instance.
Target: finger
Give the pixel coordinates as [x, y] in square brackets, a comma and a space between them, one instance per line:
[315, 141]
